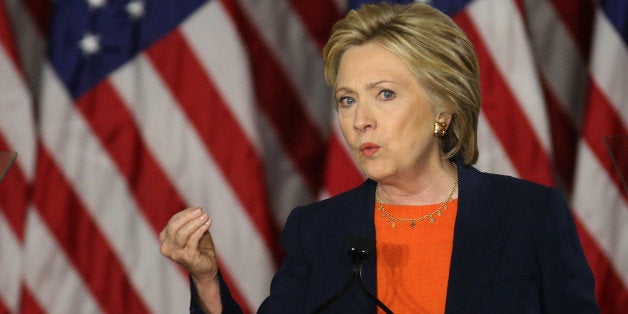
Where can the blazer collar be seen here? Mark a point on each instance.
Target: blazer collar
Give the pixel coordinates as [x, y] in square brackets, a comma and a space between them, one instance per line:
[479, 235]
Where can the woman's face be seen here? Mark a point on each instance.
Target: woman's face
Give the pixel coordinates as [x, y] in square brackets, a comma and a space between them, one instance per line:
[384, 116]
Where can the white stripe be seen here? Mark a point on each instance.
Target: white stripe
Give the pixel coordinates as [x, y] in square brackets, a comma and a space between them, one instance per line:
[50, 276]
[233, 79]
[284, 185]
[16, 119]
[298, 55]
[31, 46]
[215, 41]
[609, 64]
[565, 73]
[10, 265]
[602, 210]
[493, 157]
[500, 24]
[188, 164]
[108, 199]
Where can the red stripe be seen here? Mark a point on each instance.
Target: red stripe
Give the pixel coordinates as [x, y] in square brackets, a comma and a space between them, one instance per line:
[233, 152]
[6, 36]
[564, 136]
[505, 117]
[115, 127]
[578, 16]
[601, 121]
[80, 238]
[40, 12]
[610, 292]
[318, 16]
[14, 195]
[28, 304]
[3, 307]
[280, 102]
[341, 174]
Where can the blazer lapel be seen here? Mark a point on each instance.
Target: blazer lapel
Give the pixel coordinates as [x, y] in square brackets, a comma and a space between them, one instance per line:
[356, 218]
[479, 236]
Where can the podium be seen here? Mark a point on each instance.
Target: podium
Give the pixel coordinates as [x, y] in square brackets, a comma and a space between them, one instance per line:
[6, 160]
[617, 148]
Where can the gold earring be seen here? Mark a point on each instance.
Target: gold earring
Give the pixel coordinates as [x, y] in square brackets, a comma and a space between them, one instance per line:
[440, 128]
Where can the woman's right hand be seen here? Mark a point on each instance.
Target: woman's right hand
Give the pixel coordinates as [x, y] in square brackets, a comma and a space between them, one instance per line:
[186, 240]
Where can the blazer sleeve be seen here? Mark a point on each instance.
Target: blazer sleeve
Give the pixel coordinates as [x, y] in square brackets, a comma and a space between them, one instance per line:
[567, 281]
[229, 305]
[289, 289]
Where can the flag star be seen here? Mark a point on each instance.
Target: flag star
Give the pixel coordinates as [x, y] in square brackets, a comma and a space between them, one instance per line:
[135, 9]
[95, 4]
[89, 44]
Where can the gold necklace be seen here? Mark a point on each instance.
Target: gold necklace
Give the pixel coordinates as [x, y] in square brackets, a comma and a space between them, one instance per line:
[431, 217]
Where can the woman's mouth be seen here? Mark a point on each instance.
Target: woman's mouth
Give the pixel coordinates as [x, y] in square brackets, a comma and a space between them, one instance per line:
[368, 149]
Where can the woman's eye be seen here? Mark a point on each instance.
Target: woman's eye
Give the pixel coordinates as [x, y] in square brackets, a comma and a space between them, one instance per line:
[345, 101]
[386, 94]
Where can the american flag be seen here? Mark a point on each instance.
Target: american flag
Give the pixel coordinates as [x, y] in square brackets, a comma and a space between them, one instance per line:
[124, 112]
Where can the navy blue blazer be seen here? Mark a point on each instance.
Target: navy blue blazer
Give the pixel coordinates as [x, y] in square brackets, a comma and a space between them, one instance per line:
[515, 250]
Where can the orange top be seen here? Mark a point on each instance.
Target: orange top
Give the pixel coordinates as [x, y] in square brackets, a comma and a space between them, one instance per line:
[413, 262]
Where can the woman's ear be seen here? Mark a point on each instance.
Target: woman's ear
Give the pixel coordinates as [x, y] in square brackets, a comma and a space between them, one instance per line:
[444, 117]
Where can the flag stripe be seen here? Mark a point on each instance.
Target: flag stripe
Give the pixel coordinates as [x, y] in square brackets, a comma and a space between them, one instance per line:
[610, 292]
[295, 53]
[610, 77]
[31, 47]
[505, 116]
[111, 206]
[40, 11]
[13, 201]
[235, 85]
[6, 38]
[28, 304]
[197, 177]
[318, 16]
[568, 78]
[51, 276]
[86, 246]
[564, 79]
[564, 137]
[594, 132]
[577, 18]
[298, 134]
[247, 305]
[111, 122]
[340, 166]
[3, 308]
[608, 225]
[10, 266]
[217, 128]
[515, 65]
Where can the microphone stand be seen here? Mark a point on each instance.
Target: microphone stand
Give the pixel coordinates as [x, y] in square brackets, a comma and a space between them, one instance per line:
[357, 256]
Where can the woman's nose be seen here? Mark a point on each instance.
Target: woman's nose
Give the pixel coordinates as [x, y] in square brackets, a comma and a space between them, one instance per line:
[363, 118]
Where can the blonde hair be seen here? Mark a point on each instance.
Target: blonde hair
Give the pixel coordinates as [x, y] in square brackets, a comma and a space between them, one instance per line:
[435, 50]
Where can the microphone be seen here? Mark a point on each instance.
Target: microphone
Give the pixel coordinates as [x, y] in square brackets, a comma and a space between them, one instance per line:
[359, 249]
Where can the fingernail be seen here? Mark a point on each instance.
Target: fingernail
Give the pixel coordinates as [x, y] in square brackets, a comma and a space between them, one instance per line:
[196, 211]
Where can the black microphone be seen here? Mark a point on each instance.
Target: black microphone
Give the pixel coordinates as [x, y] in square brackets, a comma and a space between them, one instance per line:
[359, 249]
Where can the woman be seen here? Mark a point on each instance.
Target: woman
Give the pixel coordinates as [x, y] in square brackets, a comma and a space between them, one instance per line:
[448, 237]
